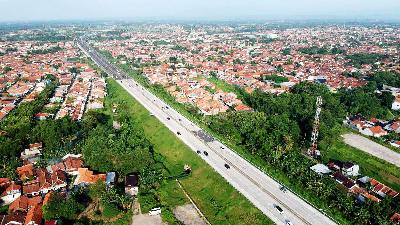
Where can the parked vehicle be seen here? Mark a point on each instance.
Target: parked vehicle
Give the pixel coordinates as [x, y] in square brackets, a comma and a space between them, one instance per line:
[227, 166]
[205, 153]
[155, 211]
[198, 152]
[179, 133]
[168, 118]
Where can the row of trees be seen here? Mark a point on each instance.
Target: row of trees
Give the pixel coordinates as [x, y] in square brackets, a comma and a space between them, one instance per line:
[322, 51]
[45, 51]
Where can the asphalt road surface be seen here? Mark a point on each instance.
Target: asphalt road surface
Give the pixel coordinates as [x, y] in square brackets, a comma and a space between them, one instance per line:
[372, 148]
[256, 186]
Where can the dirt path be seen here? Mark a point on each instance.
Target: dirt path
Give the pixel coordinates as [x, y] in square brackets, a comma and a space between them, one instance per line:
[188, 215]
[145, 219]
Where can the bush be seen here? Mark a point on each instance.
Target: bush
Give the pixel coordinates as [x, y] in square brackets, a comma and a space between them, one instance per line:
[110, 210]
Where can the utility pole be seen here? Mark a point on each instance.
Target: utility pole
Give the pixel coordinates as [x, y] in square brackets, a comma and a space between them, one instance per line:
[313, 151]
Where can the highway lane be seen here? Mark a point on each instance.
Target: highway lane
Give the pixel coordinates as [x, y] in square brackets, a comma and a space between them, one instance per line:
[260, 189]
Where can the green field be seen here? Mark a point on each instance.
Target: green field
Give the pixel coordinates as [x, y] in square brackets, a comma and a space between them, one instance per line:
[221, 84]
[216, 198]
[369, 165]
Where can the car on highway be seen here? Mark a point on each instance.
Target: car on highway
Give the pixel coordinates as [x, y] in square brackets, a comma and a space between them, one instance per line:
[178, 133]
[205, 153]
[227, 166]
[278, 208]
[288, 222]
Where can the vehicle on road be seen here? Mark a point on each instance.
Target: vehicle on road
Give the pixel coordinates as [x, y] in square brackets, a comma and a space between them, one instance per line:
[205, 153]
[278, 208]
[179, 119]
[168, 118]
[283, 189]
[151, 114]
[222, 147]
[198, 152]
[178, 133]
[227, 166]
[166, 107]
[288, 222]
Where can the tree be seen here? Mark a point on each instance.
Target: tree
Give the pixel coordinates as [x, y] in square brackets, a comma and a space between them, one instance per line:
[74, 70]
[60, 208]
[286, 51]
[7, 69]
[386, 78]
[123, 146]
[359, 59]
[386, 99]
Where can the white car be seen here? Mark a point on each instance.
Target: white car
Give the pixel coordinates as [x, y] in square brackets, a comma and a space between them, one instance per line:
[155, 211]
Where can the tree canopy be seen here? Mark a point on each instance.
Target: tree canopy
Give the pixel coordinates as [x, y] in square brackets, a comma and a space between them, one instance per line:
[125, 150]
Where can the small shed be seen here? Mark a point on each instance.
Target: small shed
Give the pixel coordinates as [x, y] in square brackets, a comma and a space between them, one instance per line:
[110, 179]
[321, 169]
[132, 185]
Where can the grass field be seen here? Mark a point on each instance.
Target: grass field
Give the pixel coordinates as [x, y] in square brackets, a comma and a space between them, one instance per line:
[216, 198]
[221, 84]
[369, 165]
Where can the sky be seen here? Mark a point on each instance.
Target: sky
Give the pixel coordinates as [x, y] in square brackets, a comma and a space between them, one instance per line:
[42, 10]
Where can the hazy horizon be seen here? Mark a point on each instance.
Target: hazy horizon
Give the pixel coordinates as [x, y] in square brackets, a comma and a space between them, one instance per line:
[50, 10]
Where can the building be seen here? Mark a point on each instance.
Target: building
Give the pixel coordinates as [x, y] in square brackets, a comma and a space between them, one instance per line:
[32, 153]
[85, 177]
[395, 218]
[110, 179]
[131, 185]
[11, 193]
[321, 169]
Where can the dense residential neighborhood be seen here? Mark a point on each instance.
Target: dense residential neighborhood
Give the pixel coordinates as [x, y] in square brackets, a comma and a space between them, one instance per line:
[225, 72]
[25, 78]
[115, 123]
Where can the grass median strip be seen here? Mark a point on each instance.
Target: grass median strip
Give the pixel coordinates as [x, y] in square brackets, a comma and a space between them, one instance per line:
[216, 198]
